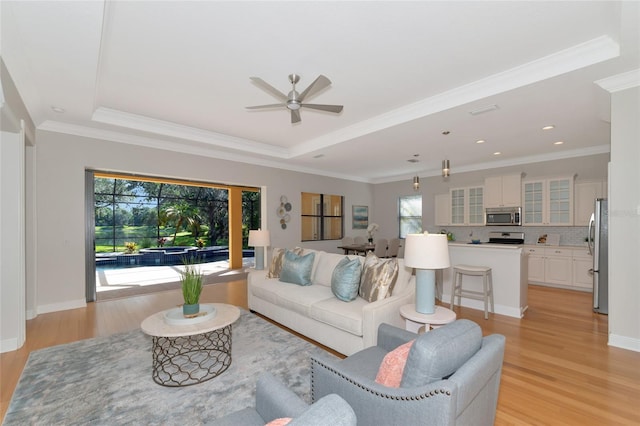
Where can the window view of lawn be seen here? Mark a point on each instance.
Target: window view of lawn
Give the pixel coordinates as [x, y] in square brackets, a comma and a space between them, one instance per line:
[133, 215]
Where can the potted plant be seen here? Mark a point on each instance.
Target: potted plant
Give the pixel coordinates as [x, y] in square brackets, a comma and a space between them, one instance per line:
[191, 280]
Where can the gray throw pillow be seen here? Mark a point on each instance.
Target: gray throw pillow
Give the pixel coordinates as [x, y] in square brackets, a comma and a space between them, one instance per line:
[378, 277]
[345, 279]
[296, 269]
[277, 256]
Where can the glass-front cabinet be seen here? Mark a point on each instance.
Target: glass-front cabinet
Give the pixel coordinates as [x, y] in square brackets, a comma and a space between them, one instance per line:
[467, 206]
[548, 202]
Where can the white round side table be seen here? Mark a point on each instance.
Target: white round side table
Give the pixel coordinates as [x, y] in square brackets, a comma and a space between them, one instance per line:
[414, 320]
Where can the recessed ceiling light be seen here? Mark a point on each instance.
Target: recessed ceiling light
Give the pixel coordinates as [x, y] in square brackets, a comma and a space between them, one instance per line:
[558, 143]
[57, 109]
[318, 156]
[549, 127]
[446, 132]
[480, 141]
[497, 153]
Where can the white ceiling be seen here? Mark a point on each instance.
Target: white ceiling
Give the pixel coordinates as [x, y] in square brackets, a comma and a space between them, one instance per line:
[175, 75]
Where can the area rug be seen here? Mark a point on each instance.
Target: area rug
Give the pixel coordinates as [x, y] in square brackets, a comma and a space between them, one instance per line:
[108, 380]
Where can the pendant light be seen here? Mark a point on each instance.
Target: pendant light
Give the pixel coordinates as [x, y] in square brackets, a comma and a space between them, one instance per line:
[446, 169]
[416, 183]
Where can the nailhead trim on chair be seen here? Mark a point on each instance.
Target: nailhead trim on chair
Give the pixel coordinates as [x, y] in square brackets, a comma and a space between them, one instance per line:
[434, 392]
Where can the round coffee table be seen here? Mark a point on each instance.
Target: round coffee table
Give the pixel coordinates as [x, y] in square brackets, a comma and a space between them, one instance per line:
[414, 320]
[190, 353]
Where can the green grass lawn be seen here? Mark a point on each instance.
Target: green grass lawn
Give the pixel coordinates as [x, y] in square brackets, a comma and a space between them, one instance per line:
[144, 237]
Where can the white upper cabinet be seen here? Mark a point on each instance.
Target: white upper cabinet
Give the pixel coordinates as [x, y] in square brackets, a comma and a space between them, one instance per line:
[585, 195]
[503, 191]
[466, 206]
[548, 202]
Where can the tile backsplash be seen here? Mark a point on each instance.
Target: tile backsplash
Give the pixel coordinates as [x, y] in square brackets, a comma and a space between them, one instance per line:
[569, 235]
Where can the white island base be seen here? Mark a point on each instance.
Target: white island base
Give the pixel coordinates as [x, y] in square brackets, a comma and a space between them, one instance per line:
[509, 270]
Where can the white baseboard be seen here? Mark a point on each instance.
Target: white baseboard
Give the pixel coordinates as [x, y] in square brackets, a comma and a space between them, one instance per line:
[624, 342]
[55, 307]
[8, 345]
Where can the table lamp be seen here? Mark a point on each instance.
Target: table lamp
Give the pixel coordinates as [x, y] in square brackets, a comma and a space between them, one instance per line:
[259, 240]
[426, 252]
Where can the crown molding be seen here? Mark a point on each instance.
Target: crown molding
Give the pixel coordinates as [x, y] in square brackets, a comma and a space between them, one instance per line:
[169, 129]
[619, 82]
[583, 152]
[207, 151]
[576, 57]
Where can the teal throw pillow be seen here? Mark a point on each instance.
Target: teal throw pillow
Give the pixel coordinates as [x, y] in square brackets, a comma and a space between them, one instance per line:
[345, 279]
[296, 269]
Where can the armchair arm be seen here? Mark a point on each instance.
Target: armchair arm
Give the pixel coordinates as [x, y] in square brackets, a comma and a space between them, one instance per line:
[377, 404]
[275, 400]
[329, 410]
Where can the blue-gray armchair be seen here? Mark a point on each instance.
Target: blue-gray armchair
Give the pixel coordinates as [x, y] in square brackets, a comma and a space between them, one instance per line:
[274, 401]
[451, 377]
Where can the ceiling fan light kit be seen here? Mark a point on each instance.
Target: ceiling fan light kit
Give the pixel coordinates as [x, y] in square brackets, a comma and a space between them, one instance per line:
[294, 100]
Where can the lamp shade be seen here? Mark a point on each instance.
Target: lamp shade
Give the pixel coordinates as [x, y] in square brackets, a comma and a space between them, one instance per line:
[259, 238]
[426, 251]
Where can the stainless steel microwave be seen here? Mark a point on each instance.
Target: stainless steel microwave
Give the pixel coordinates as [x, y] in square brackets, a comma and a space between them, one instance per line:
[503, 216]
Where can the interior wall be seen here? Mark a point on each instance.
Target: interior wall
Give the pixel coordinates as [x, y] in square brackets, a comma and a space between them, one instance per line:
[62, 159]
[624, 220]
[386, 195]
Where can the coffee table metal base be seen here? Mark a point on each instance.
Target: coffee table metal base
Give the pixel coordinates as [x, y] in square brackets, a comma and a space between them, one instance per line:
[188, 360]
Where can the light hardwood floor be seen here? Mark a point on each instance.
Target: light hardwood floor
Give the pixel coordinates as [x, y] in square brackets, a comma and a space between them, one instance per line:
[558, 369]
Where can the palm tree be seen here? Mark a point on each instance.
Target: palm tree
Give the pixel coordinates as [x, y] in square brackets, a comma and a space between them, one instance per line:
[182, 213]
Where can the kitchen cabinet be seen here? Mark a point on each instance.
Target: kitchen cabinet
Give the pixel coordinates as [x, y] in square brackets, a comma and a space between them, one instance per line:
[503, 191]
[585, 194]
[442, 216]
[583, 269]
[559, 266]
[548, 202]
[466, 206]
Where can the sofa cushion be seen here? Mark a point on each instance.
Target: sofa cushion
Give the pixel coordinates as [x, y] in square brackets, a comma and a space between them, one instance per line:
[440, 352]
[277, 256]
[345, 280]
[326, 263]
[378, 277]
[345, 316]
[296, 269]
[404, 278]
[300, 298]
[266, 289]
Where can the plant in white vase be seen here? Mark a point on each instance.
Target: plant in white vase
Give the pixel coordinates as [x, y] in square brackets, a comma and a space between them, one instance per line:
[191, 280]
[371, 230]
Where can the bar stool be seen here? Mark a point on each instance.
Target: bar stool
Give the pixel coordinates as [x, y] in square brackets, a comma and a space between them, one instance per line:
[487, 285]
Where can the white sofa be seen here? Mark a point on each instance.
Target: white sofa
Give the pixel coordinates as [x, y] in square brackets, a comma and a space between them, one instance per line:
[315, 312]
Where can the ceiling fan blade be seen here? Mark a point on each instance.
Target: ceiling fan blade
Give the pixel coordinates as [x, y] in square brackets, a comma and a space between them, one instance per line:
[269, 88]
[318, 84]
[329, 108]
[266, 106]
[295, 116]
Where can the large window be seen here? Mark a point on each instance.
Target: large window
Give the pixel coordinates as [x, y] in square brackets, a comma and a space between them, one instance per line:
[148, 212]
[322, 217]
[410, 215]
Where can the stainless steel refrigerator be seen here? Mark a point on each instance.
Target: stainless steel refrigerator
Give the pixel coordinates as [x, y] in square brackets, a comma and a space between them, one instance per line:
[599, 248]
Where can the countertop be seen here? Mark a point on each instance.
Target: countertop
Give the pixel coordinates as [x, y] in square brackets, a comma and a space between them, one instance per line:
[509, 246]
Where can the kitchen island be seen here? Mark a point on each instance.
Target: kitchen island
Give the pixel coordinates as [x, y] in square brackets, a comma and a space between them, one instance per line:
[509, 269]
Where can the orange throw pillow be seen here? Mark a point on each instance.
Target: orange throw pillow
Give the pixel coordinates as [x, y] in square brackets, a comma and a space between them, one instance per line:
[279, 422]
[392, 367]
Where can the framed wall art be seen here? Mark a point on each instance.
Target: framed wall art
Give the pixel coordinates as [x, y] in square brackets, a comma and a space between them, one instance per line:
[360, 217]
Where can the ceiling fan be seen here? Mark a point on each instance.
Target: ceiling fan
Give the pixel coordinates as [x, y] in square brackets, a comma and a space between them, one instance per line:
[294, 101]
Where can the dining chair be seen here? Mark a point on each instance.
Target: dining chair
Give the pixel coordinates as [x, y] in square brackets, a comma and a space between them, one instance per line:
[394, 247]
[360, 240]
[381, 247]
